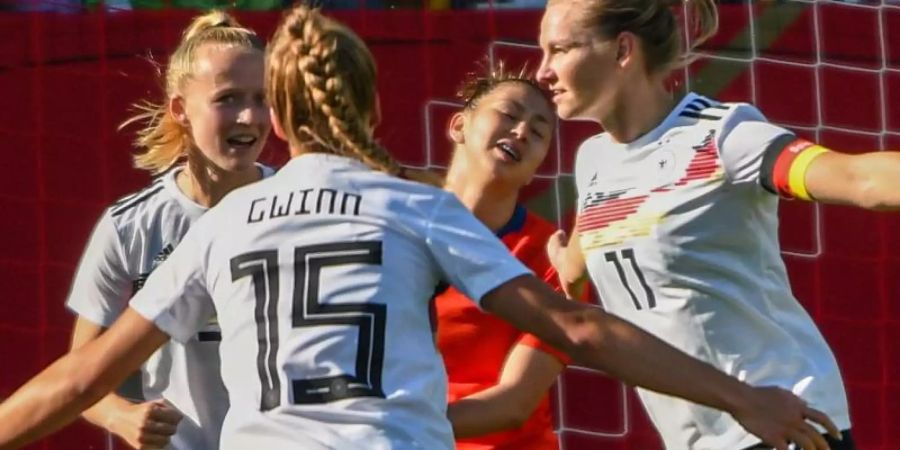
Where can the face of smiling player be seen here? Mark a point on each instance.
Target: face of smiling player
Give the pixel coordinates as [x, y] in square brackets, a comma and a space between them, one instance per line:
[222, 103]
[505, 135]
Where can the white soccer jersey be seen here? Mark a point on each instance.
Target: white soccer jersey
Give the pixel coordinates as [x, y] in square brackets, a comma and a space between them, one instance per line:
[321, 278]
[134, 236]
[681, 239]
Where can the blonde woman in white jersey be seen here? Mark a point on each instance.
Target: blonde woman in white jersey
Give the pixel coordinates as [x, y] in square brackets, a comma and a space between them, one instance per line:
[214, 118]
[677, 210]
[321, 278]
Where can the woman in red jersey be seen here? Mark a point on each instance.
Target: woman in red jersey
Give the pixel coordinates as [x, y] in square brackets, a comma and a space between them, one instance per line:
[499, 376]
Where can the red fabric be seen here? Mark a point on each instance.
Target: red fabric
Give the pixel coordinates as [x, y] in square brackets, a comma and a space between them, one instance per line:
[69, 80]
[474, 344]
[782, 171]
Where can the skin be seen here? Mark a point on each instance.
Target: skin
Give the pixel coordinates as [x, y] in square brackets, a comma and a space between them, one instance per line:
[604, 79]
[57, 395]
[223, 99]
[487, 180]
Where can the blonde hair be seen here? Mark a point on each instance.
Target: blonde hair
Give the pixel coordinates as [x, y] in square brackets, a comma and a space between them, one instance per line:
[655, 23]
[320, 82]
[164, 141]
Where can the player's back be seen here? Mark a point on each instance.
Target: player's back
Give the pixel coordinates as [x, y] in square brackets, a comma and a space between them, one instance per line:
[322, 275]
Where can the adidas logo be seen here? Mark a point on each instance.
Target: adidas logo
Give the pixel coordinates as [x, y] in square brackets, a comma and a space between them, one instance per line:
[163, 254]
[138, 283]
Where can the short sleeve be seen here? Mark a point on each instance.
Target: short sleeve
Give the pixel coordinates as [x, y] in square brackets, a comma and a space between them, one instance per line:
[102, 285]
[746, 136]
[176, 297]
[470, 257]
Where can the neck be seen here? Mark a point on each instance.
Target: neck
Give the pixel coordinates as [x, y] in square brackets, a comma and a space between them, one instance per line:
[207, 186]
[646, 107]
[492, 205]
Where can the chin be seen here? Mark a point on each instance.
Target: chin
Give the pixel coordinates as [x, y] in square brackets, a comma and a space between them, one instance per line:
[236, 165]
[565, 111]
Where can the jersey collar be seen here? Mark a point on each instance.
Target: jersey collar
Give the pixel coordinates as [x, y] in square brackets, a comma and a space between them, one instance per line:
[516, 222]
[663, 126]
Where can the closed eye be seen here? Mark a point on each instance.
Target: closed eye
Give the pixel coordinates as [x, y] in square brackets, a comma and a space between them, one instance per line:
[227, 98]
[507, 114]
[557, 49]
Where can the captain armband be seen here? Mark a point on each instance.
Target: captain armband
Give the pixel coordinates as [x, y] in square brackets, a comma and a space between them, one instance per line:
[784, 166]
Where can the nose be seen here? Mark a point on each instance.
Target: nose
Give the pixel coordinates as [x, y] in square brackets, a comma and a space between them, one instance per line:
[521, 130]
[544, 74]
[253, 115]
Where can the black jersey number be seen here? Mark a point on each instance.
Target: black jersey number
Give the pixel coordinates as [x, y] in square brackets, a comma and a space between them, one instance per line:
[262, 267]
[628, 254]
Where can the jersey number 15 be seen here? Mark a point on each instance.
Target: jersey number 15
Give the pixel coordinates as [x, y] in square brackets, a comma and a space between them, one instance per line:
[370, 318]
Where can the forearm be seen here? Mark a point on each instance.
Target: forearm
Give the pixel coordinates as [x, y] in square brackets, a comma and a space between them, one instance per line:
[605, 342]
[45, 404]
[104, 413]
[485, 412]
[868, 180]
[881, 189]
[76, 381]
[638, 358]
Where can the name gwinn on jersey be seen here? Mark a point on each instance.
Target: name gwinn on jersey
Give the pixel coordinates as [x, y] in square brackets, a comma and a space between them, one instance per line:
[321, 277]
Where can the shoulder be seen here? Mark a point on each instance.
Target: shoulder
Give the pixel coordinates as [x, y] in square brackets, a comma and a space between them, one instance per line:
[592, 144]
[137, 201]
[707, 112]
[587, 154]
[138, 210]
[536, 225]
[409, 197]
[529, 243]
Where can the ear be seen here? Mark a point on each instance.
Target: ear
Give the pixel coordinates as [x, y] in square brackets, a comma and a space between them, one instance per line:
[375, 120]
[276, 127]
[627, 44]
[176, 109]
[456, 127]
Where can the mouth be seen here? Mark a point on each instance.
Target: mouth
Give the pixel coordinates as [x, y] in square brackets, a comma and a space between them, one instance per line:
[509, 151]
[557, 93]
[242, 140]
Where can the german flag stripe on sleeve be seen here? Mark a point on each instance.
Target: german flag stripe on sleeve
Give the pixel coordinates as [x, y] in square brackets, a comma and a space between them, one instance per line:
[784, 166]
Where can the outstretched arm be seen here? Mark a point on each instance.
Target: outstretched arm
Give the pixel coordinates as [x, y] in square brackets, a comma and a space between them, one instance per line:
[527, 375]
[868, 180]
[57, 395]
[150, 423]
[605, 342]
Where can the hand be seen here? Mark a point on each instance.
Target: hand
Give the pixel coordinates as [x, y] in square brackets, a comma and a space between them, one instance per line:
[147, 425]
[556, 248]
[779, 417]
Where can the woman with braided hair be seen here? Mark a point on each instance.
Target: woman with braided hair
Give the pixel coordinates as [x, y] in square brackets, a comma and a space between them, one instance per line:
[321, 278]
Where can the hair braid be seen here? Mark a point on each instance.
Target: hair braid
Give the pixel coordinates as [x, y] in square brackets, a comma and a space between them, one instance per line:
[321, 80]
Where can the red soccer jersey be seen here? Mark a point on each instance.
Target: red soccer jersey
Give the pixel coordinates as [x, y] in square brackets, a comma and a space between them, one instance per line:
[474, 344]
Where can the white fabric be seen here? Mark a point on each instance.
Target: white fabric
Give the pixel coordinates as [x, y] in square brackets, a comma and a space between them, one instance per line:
[131, 238]
[253, 261]
[678, 219]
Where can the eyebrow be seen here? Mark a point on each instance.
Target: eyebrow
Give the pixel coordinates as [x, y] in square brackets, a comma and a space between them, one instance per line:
[539, 117]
